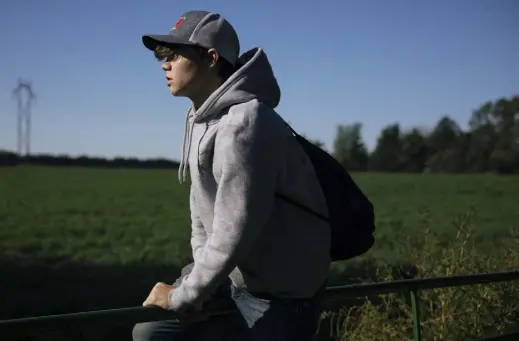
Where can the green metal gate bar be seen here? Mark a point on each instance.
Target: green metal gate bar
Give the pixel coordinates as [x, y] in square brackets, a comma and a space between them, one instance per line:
[35, 325]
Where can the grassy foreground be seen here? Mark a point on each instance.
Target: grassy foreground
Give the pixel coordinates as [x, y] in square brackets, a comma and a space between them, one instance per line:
[89, 235]
[454, 314]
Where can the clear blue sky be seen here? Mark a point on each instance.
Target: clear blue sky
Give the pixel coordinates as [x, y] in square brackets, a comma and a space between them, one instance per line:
[100, 92]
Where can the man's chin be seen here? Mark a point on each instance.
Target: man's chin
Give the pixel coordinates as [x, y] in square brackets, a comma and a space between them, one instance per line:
[175, 92]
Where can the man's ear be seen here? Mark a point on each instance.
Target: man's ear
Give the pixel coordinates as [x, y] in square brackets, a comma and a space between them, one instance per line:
[213, 57]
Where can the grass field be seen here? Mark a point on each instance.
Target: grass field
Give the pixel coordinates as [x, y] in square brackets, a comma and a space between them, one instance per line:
[136, 216]
[75, 239]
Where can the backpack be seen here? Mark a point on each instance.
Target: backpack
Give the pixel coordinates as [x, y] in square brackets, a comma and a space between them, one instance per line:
[351, 214]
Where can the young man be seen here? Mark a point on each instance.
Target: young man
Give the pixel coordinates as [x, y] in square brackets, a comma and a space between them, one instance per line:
[240, 154]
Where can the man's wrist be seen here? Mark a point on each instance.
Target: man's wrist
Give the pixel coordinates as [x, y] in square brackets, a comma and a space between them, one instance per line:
[170, 298]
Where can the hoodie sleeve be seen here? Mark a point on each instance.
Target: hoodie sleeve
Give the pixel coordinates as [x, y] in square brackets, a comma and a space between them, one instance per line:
[198, 234]
[183, 273]
[245, 166]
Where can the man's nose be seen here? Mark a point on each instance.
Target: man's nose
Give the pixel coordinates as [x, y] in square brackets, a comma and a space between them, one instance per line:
[165, 66]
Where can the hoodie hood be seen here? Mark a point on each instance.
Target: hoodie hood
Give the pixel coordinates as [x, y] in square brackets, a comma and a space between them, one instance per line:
[253, 79]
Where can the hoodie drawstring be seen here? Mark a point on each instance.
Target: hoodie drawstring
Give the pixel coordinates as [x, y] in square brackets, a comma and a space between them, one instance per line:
[184, 161]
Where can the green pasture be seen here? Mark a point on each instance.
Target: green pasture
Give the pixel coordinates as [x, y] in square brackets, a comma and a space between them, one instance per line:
[125, 216]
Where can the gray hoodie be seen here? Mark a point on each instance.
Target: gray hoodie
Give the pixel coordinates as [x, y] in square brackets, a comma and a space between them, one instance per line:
[240, 152]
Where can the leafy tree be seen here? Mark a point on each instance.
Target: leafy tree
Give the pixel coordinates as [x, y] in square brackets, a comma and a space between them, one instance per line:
[388, 153]
[349, 148]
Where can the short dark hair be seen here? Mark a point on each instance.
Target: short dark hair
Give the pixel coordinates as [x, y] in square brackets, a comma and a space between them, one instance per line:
[224, 68]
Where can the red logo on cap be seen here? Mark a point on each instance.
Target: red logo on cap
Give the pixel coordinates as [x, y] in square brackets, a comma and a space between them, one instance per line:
[179, 22]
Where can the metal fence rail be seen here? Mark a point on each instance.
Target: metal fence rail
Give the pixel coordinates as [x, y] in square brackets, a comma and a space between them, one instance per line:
[35, 325]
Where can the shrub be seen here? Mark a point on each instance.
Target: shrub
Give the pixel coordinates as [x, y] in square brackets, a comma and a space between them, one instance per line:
[459, 313]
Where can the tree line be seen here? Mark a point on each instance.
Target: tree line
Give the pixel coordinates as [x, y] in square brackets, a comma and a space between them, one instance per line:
[12, 159]
[490, 144]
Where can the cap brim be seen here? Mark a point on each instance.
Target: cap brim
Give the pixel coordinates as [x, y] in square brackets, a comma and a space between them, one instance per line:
[151, 41]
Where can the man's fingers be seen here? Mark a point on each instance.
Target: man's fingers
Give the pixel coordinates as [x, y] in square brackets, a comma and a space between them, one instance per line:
[159, 296]
[152, 296]
[150, 299]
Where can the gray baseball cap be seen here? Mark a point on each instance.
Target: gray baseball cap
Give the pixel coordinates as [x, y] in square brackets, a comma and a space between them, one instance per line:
[200, 28]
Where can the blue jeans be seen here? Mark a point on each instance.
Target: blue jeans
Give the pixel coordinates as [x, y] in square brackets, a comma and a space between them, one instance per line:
[257, 317]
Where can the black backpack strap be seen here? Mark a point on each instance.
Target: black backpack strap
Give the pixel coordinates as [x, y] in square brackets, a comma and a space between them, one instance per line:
[293, 131]
[304, 208]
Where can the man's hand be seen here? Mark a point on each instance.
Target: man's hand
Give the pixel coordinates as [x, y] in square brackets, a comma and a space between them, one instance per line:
[159, 296]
